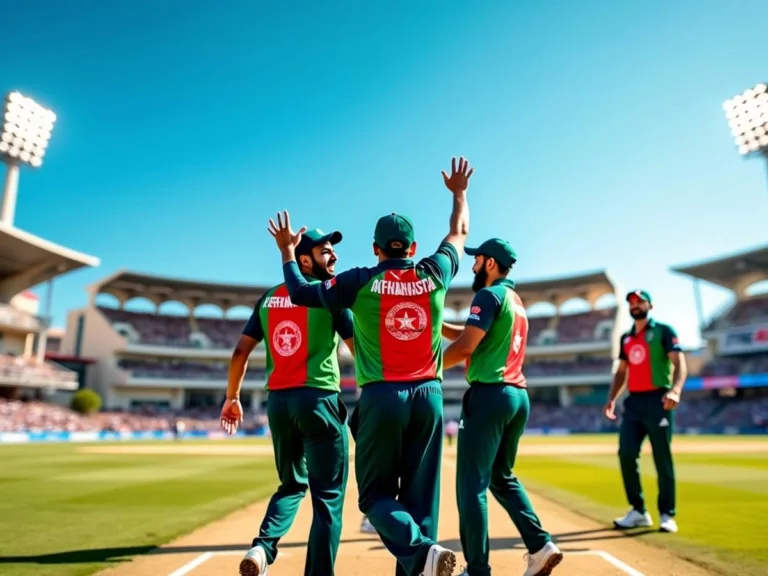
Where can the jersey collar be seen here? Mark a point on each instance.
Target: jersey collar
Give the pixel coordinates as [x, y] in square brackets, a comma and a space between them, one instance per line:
[396, 264]
[503, 282]
[651, 324]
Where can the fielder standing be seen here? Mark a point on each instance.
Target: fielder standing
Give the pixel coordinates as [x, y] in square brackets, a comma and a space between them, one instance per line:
[652, 364]
[307, 417]
[397, 308]
[494, 413]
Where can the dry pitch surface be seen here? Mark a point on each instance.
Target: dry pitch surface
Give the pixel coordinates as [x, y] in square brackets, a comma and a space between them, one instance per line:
[591, 549]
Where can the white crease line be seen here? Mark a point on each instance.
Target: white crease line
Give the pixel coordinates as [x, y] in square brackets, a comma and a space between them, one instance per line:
[618, 563]
[189, 566]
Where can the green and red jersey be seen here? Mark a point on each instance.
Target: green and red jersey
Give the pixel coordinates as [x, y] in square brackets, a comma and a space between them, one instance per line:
[647, 356]
[397, 309]
[301, 343]
[498, 358]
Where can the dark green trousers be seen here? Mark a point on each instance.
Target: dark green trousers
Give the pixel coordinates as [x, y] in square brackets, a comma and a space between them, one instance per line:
[493, 419]
[398, 431]
[644, 415]
[311, 443]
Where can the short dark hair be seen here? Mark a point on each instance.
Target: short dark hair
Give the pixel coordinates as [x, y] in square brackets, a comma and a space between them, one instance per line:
[504, 270]
[392, 252]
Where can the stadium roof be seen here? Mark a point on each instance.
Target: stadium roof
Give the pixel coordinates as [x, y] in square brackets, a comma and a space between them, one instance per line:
[735, 272]
[125, 285]
[588, 285]
[27, 260]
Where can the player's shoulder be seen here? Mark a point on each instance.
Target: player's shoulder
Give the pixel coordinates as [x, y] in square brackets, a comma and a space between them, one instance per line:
[495, 294]
[664, 327]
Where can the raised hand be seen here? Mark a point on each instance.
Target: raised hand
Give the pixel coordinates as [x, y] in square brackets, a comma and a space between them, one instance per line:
[458, 181]
[282, 233]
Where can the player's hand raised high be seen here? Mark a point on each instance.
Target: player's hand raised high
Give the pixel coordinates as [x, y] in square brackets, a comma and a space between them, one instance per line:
[282, 232]
[458, 181]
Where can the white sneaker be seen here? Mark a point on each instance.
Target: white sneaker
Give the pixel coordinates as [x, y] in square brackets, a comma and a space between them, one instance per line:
[366, 527]
[254, 563]
[544, 561]
[667, 523]
[634, 519]
[440, 562]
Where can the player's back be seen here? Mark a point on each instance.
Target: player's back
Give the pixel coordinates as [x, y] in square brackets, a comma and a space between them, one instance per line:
[398, 316]
[300, 342]
[500, 355]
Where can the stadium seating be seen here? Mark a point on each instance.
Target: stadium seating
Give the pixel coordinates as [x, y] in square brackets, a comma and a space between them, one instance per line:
[744, 312]
[157, 368]
[583, 327]
[735, 365]
[24, 369]
[167, 330]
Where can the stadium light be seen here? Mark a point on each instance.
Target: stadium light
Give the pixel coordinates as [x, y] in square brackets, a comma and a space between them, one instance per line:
[26, 130]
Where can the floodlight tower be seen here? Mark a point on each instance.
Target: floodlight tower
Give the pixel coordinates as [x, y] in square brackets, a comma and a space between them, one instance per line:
[747, 116]
[26, 130]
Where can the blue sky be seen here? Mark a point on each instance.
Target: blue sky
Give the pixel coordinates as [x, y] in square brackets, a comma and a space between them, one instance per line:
[596, 129]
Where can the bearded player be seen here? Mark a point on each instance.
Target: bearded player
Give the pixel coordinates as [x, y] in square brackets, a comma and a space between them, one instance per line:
[307, 417]
[397, 308]
[494, 413]
[652, 364]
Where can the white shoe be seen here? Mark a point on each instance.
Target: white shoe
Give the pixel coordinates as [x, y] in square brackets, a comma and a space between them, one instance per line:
[366, 527]
[544, 561]
[254, 563]
[440, 562]
[634, 519]
[667, 523]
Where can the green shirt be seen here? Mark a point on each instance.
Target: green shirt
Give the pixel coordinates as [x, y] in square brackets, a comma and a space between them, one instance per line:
[301, 343]
[647, 356]
[499, 311]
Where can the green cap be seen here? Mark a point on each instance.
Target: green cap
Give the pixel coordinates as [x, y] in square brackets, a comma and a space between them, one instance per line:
[392, 230]
[312, 238]
[642, 294]
[496, 248]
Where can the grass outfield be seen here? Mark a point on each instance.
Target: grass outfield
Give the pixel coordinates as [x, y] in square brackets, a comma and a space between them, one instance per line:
[722, 498]
[67, 513]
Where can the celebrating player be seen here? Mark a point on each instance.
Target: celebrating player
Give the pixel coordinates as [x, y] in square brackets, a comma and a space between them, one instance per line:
[307, 418]
[653, 365]
[397, 308]
[494, 413]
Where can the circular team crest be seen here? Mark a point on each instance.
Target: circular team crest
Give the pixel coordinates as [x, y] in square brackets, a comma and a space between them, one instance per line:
[406, 321]
[636, 354]
[286, 338]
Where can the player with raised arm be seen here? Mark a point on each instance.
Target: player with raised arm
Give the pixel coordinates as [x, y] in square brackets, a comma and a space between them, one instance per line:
[307, 417]
[397, 308]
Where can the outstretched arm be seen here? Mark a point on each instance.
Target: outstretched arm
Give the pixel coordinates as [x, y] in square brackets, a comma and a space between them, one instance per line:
[458, 351]
[458, 183]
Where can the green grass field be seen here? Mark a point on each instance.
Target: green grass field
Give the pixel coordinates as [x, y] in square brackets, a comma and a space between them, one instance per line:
[722, 498]
[68, 513]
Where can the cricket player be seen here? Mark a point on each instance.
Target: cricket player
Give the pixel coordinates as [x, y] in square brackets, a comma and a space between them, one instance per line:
[494, 413]
[307, 417]
[652, 364]
[397, 308]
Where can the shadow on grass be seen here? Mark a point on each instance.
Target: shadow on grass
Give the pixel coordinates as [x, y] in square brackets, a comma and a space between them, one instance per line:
[107, 555]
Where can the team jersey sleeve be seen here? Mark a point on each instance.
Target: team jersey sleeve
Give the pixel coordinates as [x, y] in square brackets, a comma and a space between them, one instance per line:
[444, 264]
[669, 340]
[253, 327]
[302, 293]
[342, 323]
[622, 353]
[341, 291]
[485, 307]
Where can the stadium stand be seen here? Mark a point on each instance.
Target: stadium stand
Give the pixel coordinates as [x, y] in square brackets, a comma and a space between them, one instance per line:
[178, 361]
[25, 262]
[735, 372]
